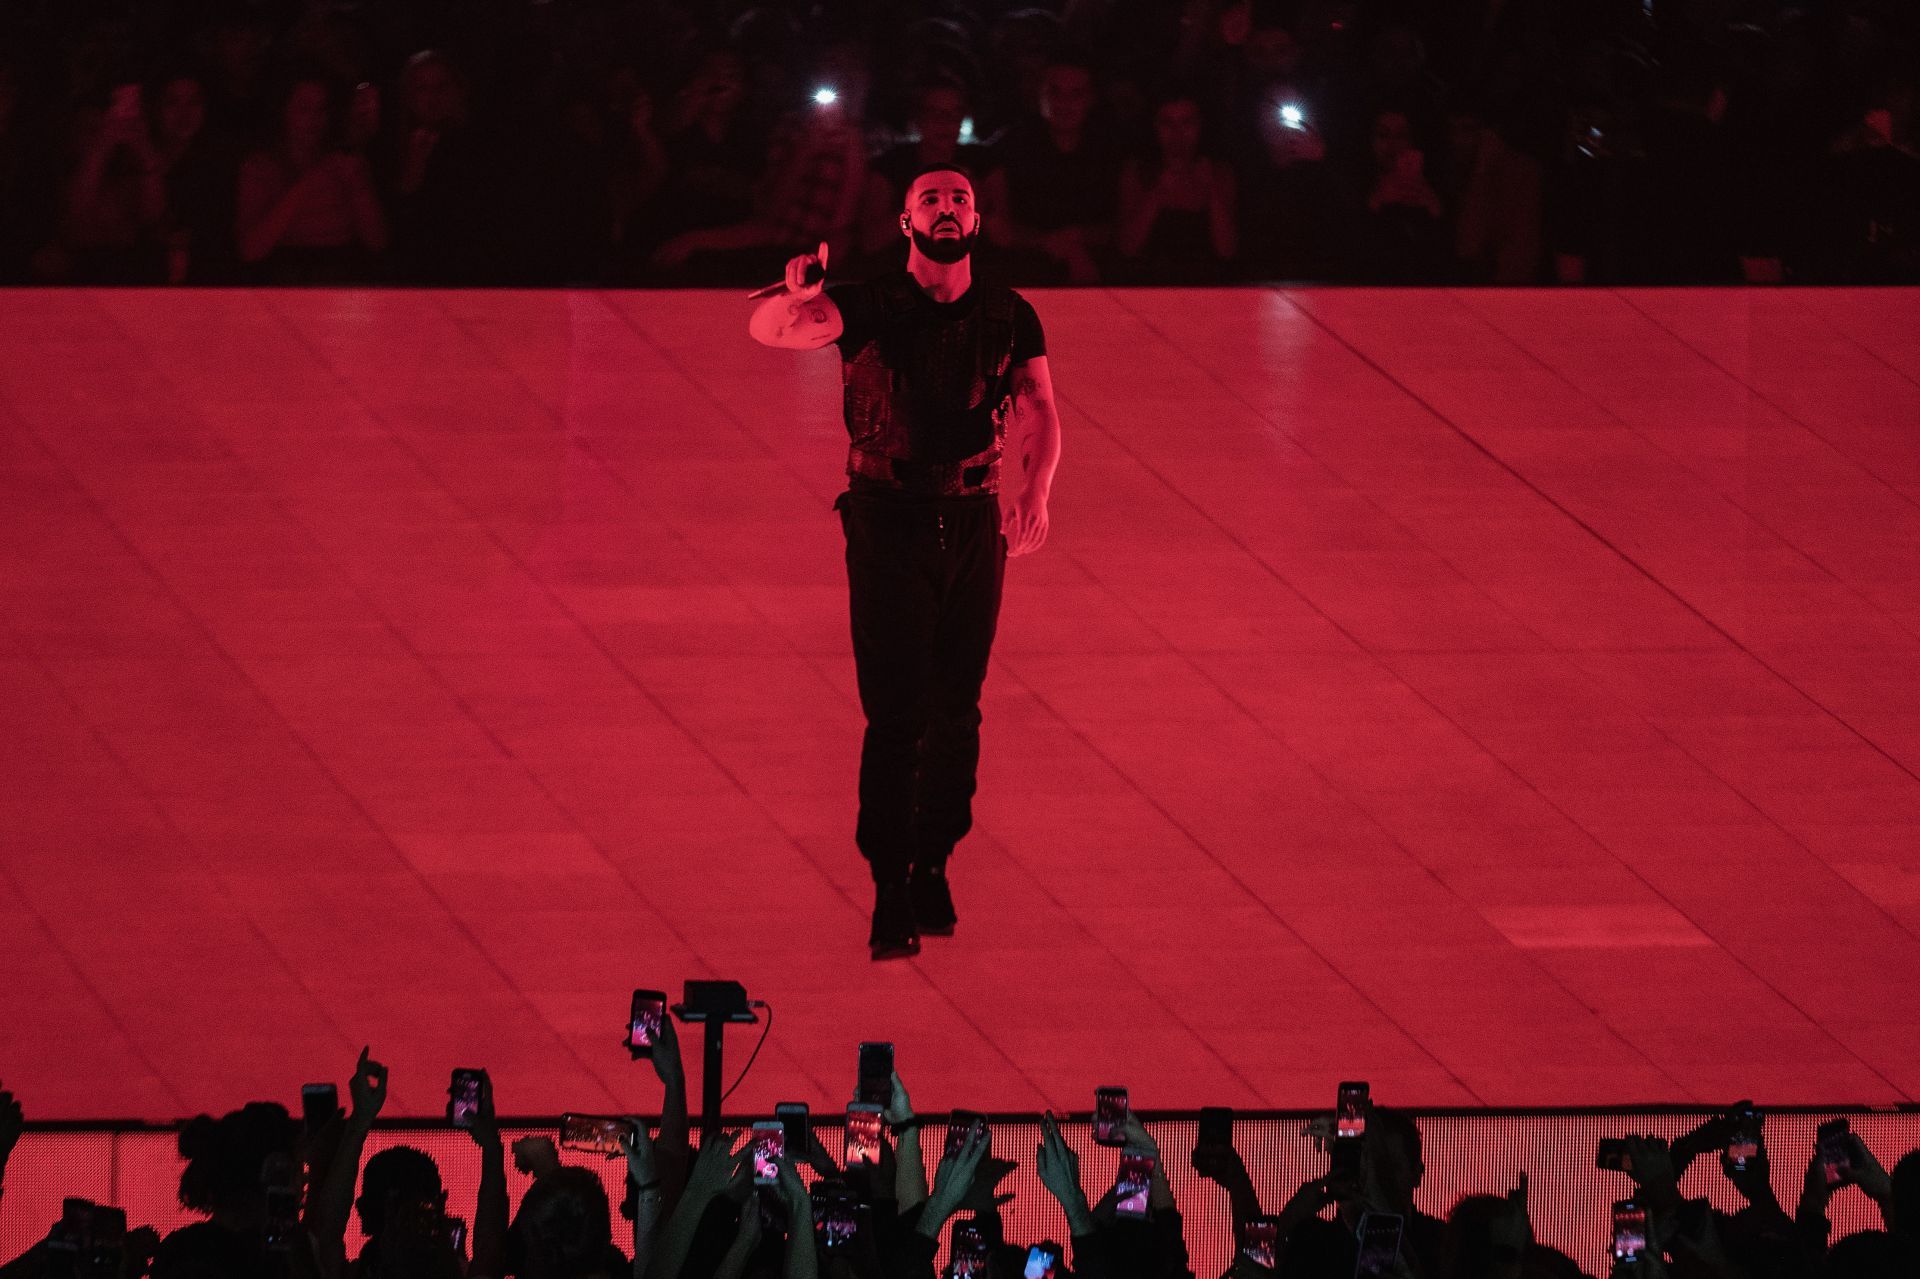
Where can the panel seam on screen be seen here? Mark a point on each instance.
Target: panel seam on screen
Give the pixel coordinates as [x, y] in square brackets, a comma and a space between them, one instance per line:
[532, 775]
[640, 685]
[1500, 762]
[1382, 660]
[1529, 961]
[1152, 994]
[1736, 789]
[312, 753]
[1597, 536]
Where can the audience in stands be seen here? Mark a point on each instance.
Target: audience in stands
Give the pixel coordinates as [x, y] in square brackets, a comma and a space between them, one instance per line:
[1156, 141]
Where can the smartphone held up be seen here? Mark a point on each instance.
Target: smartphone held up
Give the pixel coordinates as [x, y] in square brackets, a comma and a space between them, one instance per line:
[645, 1018]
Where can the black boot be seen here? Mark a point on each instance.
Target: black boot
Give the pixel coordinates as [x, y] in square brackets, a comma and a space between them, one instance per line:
[932, 901]
[893, 935]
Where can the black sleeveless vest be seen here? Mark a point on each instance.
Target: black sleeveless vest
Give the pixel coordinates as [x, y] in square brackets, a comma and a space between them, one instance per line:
[927, 403]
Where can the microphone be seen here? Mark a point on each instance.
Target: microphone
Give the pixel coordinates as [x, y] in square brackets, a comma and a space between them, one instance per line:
[812, 275]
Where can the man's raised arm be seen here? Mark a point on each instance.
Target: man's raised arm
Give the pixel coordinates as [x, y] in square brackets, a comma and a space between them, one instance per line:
[802, 318]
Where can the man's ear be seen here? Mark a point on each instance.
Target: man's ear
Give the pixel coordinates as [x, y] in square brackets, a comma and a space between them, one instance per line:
[906, 222]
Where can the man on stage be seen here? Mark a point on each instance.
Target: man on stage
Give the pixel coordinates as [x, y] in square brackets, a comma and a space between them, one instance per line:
[938, 373]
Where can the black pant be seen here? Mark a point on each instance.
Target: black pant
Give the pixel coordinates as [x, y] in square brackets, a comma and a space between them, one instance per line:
[923, 577]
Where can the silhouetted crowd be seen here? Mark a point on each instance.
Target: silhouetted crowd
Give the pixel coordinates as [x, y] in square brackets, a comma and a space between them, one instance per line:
[697, 142]
[277, 1194]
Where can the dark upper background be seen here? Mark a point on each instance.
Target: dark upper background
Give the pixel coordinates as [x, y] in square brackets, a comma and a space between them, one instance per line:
[649, 142]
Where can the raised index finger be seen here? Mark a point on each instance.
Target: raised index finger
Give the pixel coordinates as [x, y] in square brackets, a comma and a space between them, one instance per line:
[823, 255]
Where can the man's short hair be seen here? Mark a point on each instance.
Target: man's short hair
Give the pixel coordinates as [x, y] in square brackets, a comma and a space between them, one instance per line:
[925, 169]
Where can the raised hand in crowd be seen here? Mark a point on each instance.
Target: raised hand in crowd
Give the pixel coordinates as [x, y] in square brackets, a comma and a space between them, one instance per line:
[952, 1181]
[672, 1149]
[641, 1155]
[334, 1160]
[720, 1169]
[490, 1208]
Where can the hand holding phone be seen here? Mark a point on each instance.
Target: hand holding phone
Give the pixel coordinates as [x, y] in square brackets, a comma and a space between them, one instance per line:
[1629, 1231]
[796, 1122]
[1044, 1261]
[863, 1135]
[769, 1148]
[595, 1134]
[646, 1015]
[1379, 1243]
[463, 1096]
[1131, 1189]
[1743, 1139]
[875, 1086]
[319, 1106]
[1110, 1111]
[1350, 1108]
[969, 1255]
[963, 1127]
[1834, 1151]
[1259, 1241]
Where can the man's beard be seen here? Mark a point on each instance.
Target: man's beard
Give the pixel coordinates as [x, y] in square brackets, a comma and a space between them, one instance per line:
[945, 250]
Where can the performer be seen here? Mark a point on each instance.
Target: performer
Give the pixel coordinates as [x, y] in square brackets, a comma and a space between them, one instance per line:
[939, 376]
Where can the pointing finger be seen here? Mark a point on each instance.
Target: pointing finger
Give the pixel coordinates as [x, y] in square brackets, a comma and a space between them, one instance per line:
[823, 255]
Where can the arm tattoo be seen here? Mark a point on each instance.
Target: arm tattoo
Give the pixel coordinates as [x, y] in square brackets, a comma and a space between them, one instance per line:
[1027, 397]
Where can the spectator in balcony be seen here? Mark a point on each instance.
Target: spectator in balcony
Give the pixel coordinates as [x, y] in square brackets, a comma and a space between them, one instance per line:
[438, 171]
[1063, 183]
[1179, 205]
[1497, 190]
[1404, 228]
[28, 204]
[307, 212]
[117, 195]
[713, 154]
[1875, 166]
[1298, 215]
[816, 168]
[201, 168]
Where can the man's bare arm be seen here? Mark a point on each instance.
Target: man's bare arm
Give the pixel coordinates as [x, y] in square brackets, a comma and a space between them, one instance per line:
[1036, 432]
[802, 318]
[793, 324]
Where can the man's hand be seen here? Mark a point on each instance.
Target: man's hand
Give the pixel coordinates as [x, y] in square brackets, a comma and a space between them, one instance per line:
[666, 1055]
[714, 1168]
[1755, 1183]
[637, 1145]
[951, 1182]
[1868, 1174]
[1222, 1165]
[368, 1088]
[798, 1200]
[1653, 1171]
[1137, 1136]
[485, 1128]
[1313, 1195]
[1058, 1166]
[1513, 1228]
[899, 1107]
[1024, 524]
[799, 288]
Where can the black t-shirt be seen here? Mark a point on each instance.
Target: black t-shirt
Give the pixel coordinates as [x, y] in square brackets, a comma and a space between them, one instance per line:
[940, 402]
[861, 315]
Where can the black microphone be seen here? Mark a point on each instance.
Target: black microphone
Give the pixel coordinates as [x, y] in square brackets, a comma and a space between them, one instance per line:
[812, 275]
